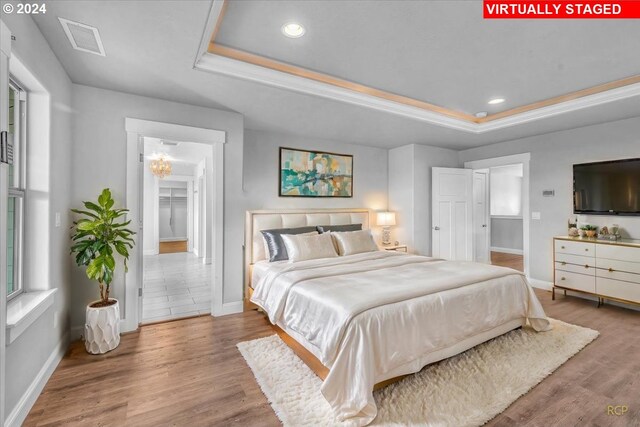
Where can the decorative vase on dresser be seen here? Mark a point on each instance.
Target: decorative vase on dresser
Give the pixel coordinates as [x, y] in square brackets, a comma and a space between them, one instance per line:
[609, 270]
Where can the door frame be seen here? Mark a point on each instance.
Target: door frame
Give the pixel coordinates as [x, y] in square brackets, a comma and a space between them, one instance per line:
[136, 129]
[486, 213]
[523, 158]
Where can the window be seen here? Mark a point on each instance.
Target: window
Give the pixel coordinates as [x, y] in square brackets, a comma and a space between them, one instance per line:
[15, 217]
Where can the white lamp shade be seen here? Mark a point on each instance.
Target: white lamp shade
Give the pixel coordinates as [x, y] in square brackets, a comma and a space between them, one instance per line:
[386, 218]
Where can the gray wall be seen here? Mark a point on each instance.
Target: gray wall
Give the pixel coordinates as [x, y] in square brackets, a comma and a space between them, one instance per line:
[100, 161]
[28, 354]
[506, 233]
[552, 157]
[410, 192]
[261, 154]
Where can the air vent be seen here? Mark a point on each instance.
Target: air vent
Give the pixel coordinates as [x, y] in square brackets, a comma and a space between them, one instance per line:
[83, 37]
[164, 142]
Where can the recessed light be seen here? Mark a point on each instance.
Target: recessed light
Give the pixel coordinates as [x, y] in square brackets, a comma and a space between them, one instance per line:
[293, 30]
[481, 114]
[495, 101]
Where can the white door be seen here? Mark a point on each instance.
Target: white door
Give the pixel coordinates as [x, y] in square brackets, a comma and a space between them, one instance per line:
[452, 213]
[481, 224]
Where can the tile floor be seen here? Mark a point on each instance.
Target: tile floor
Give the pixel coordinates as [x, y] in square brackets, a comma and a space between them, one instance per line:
[175, 285]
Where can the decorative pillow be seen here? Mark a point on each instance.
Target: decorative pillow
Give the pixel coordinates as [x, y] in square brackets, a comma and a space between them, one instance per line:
[344, 227]
[273, 241]
[302, 247]
[354, 242]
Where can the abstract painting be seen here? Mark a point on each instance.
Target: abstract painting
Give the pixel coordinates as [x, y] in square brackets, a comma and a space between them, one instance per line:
[315, 174]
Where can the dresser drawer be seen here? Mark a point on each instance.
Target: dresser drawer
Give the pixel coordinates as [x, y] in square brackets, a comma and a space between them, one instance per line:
[618, 289]
[618, 275]
[579, 282]
[587, 269]
[576, 260]
[619, 253]
[575, 248]
[626, 266]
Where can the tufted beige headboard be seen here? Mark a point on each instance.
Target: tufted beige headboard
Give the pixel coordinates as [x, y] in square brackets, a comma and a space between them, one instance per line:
[287, 218]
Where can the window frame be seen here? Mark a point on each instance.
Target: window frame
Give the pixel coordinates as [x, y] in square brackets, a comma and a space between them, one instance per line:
[18, 190]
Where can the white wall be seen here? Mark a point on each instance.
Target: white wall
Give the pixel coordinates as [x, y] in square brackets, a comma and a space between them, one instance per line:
[410, 192]
[49, 190]
[100, 161]
[552, 157]
[507, 233]
[262, 173]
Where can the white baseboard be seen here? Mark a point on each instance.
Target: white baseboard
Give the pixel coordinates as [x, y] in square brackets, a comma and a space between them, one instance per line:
[230, 308]
[540, 284]
[507, 250]
[150, 252]
[18, 414]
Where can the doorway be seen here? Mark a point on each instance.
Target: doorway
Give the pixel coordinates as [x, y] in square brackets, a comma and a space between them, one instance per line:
[211, 254]
[501, 211]
[506, 234]
[176, 273]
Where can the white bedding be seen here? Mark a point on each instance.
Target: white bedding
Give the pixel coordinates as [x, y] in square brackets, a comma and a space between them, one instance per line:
[372, 316]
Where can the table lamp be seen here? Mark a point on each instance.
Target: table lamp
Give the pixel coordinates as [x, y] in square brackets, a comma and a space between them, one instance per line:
[386, 220]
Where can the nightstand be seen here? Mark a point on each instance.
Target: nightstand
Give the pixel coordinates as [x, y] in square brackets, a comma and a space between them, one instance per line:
[399, 248]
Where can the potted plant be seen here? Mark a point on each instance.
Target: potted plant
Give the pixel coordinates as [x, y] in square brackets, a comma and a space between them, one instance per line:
[589, 230]
[98, 235]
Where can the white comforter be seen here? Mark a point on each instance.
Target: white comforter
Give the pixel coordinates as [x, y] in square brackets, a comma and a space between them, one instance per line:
[370, 317]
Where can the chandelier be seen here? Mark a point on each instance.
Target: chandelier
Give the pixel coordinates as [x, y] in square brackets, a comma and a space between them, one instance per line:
[160, 167]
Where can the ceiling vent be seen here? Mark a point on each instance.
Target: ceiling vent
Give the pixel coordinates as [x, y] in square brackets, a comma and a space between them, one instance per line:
[83, 37]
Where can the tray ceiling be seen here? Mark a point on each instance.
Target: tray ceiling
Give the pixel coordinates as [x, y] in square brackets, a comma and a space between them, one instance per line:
[441, 52]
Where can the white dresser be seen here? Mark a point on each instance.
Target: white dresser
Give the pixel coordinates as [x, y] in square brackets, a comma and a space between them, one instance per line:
[606, 269]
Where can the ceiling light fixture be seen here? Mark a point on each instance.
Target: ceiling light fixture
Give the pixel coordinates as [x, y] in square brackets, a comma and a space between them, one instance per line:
[293, 30]
[495, 101]
[160, 167]
[481, 114]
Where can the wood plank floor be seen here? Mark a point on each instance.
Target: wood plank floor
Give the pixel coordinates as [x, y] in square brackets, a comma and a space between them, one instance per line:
[508, 260]
[189, 373]
[172, 247]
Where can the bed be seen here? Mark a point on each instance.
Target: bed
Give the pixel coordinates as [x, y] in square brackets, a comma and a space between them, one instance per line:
[361, 321]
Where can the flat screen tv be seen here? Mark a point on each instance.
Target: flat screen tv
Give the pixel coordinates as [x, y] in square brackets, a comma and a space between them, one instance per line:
[607, 188]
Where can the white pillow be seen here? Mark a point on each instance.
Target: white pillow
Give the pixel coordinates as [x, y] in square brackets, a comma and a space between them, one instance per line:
[302, 247]
[354, 242]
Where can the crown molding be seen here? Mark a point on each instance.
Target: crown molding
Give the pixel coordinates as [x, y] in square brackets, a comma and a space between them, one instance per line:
[215, 58]
[246, 71]
[242, 70]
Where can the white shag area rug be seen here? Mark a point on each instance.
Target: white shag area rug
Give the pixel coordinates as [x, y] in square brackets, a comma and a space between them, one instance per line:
[466, 390]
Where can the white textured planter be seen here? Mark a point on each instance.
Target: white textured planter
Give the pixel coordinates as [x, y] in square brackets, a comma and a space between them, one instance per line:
[102, 328]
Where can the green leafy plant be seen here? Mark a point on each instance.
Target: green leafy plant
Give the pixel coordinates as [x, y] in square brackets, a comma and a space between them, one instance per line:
[589, 228]
[97, 236]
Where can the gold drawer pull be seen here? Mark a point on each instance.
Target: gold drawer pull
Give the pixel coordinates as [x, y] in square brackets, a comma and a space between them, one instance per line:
[586, 249]
[563, 278]
[586, 266]
[561, 247]
[611, 270]
[563, 263]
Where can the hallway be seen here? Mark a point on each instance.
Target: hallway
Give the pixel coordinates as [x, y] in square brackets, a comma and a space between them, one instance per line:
[175, 285]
